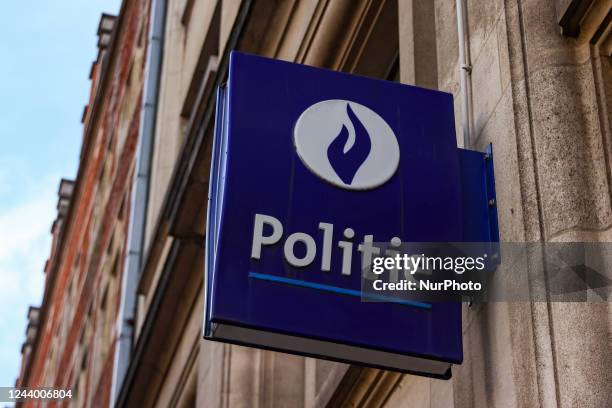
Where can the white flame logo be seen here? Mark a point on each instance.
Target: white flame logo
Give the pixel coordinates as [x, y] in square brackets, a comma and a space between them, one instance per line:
[346, 144]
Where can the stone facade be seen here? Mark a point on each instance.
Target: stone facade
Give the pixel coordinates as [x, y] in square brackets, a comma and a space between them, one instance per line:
[541, 97]
[540, 89]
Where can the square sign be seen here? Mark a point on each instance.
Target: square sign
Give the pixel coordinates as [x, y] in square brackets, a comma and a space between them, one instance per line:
[311, 168]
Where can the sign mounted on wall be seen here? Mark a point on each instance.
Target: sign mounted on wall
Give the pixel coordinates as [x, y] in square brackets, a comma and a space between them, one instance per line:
[310, 169]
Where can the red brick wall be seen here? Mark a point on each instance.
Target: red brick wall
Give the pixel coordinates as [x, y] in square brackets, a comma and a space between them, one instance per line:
[87, 274]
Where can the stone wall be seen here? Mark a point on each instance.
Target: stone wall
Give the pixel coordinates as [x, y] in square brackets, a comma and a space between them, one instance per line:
[541, 97]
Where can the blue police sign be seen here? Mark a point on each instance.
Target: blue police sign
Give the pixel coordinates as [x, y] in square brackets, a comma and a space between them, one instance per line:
[310, 169]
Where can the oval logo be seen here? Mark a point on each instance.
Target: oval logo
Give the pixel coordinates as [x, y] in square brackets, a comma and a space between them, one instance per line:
[346, 144]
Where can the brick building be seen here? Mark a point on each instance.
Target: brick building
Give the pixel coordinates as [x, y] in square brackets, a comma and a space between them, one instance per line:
[70, 338]
[531, 76]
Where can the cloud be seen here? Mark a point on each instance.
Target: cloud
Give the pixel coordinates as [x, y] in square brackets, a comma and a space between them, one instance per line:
[25, 238]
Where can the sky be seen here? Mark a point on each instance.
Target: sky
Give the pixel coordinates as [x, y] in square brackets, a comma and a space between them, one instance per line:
[46, 51]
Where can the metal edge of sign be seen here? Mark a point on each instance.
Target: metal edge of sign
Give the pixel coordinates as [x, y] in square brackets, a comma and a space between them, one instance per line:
[211, 212]
[446, 376]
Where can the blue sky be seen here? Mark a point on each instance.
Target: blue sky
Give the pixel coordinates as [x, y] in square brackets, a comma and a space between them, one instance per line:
[46, 50]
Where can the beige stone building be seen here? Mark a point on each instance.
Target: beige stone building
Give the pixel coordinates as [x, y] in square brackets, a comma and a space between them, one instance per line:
[534, 77]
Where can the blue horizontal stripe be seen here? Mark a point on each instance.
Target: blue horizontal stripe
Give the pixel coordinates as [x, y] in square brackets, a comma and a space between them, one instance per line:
[338, 290]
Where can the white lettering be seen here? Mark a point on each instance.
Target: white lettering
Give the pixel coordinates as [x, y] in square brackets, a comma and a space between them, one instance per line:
[258, 237]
